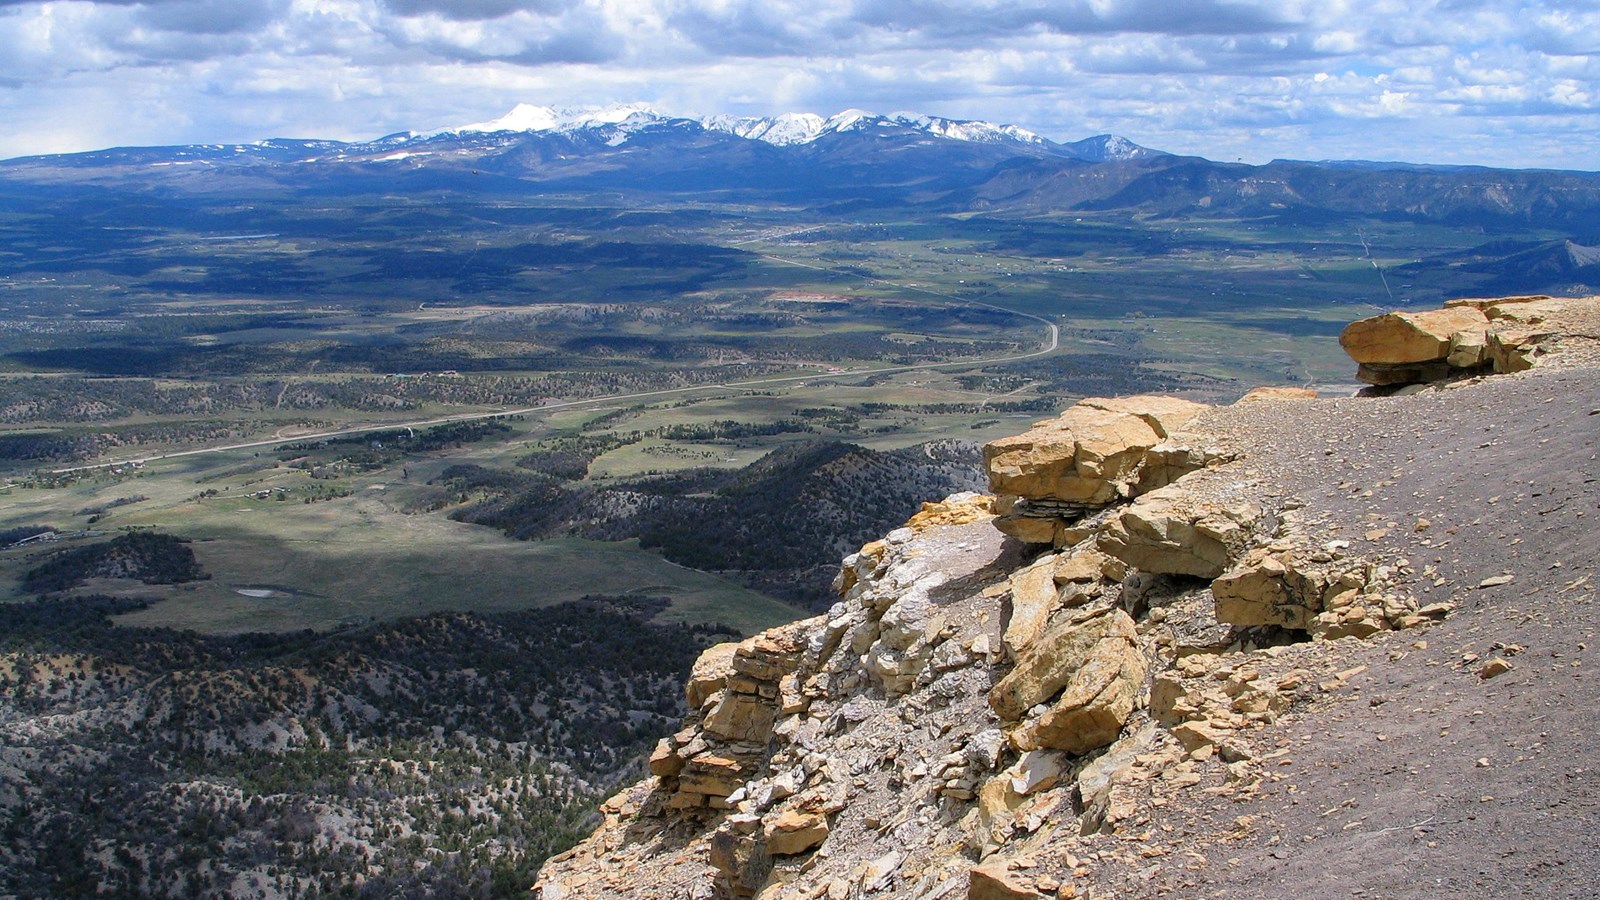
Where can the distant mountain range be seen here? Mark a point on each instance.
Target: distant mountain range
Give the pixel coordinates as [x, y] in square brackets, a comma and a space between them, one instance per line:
[854, 160]
[616, 125]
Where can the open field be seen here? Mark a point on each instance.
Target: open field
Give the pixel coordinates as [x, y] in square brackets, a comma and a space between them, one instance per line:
[644, 332]
[349, 559]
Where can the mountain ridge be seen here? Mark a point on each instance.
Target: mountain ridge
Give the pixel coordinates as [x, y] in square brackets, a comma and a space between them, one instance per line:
[849, 161]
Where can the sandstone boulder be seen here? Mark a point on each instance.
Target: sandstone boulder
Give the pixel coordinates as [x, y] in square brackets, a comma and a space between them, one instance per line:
[1173, 531]
[1100, 778]
[773, 654]
[715, 774]
[1085, 564]
[1090, 454]
[742, 717]
[1164, 414]
[1034, 597]
[1081, 457]
[709, 672]
[956, 509]
[1037, 770]
[796, 831]
[1400, 338]
[1267, 589]
[993, 880]
[1468, 349]
[1093, 662]
[1044, 530]
[1168, 461]
[664, 760]
[1514, 349]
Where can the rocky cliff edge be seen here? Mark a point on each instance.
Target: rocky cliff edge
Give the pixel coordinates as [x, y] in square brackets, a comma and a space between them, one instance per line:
[1325, 647]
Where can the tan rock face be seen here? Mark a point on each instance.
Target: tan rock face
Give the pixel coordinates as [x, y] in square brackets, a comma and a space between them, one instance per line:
[1094, 663]
[1296, 587]
[1080, 457]
[1514, 332]
[1399, 338]
[1098, 452]
[1031, 529]
[961, 509]
[796, 831]
[1034, 597]
[1090, 454]
[709, 672]
[1165, 415]
[741, 717]
[1174, 532]
[1266, 591]
[992, 880]
[1515, 349]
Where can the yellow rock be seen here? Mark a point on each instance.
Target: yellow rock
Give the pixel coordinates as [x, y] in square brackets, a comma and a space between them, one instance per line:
[1084, 456]
[993, 881]
[710, 671]
[1094, 662]
[796, 831]
[1085, 564]
[1409, 337]
[1030, 529]
[742, 717]
[1165, 414]
[956, 510]
[1514, 349]
[1033, 598]
[1493, 667]
[1173, 532]
[665, 761]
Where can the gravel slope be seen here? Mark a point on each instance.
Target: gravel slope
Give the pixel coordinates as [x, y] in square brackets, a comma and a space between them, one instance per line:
[1418, 778]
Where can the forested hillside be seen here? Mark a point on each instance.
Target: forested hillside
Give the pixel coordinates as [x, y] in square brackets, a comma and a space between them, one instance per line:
[445, 755]
[782, 523]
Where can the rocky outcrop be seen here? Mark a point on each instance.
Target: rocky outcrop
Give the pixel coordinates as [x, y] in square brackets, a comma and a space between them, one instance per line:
[1175, 531]
[739, 691]
[1011, 688]
[1099, 452]
[1085, 672]
[1399, 338]
[1320, 590]
[1507, 334]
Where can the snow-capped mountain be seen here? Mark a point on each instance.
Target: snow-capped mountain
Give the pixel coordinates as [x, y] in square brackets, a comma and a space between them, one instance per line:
[784, 130]
[619, 123]
[528, 117]
[1108, 148]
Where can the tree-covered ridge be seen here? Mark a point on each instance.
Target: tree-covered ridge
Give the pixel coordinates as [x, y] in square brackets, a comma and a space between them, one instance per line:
[441, 755]
[781, 523]
[148, 556]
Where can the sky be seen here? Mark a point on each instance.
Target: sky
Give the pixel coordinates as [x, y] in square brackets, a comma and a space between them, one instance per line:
[1513, 83]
